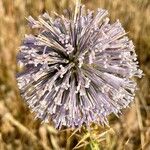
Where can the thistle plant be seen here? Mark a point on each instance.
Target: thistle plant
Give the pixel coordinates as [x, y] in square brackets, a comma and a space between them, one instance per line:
[78, 69]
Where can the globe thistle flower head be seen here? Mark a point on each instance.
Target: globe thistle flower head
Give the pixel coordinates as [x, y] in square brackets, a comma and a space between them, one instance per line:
[77, 70]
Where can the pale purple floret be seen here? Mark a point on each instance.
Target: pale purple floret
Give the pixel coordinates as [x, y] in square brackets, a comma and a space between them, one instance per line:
[79, 70]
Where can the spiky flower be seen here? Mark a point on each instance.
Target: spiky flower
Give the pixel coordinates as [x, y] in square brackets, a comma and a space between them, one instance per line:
[77, 70]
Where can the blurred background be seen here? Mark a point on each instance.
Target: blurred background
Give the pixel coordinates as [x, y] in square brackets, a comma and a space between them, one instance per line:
[19, 130]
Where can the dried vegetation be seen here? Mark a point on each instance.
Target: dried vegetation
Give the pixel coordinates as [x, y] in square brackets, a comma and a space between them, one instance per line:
[19, 130]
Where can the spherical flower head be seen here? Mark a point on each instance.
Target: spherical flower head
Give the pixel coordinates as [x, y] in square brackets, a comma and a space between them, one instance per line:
[77, 70]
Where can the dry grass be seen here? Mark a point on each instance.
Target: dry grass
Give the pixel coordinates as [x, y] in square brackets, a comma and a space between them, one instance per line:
[19, 130]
